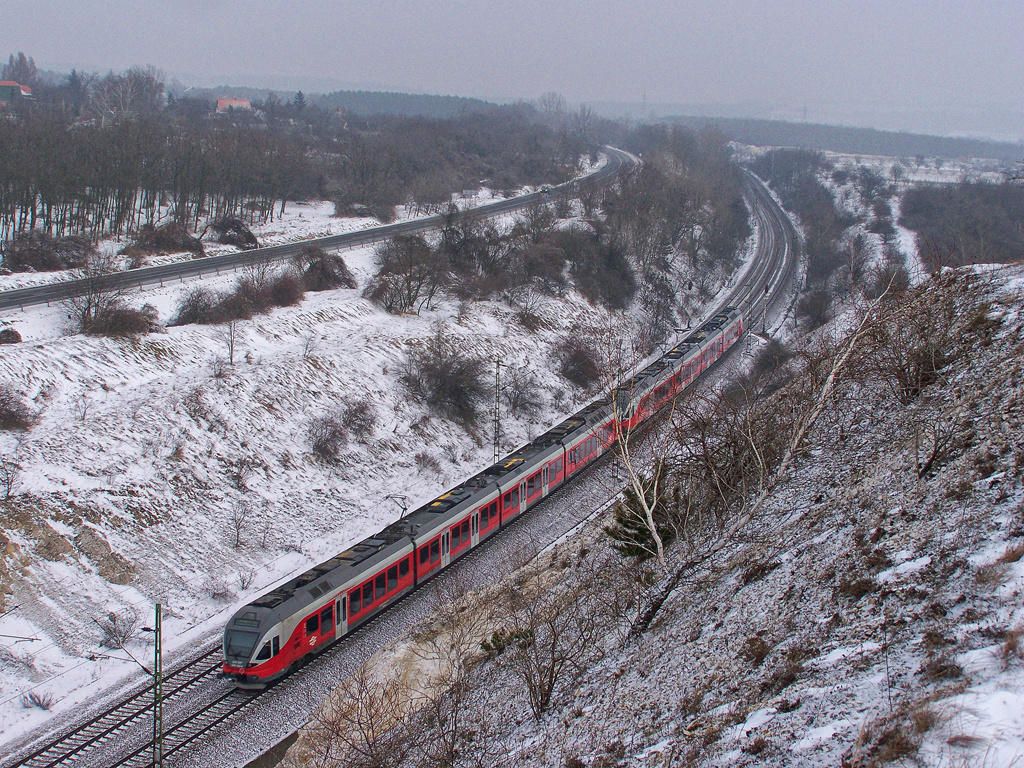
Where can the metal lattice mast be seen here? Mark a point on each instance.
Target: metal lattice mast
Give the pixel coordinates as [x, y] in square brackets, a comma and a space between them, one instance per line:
[497, 410]
[158, 690]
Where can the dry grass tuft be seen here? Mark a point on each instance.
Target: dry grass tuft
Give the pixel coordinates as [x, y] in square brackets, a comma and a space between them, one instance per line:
[1013, 553]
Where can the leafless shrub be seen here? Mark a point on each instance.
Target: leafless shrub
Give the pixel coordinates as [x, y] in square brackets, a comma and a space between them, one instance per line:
[1011, 644]
[323, 271]
[521, 391]
[359, 417]
[10, 471]
[9, 336]
[39, 251]
[23, 661]
[446, 376]
[14, 412]
[231, 230]
[217, 588]
[327, 436]
[409, 274]
[117, 319]
[755, 649]
[427, 462]
[36, 700]
[578, 361]
[364, 724]
[240, 513]
[756, 746]
[119, 628]
[168, 238]
[246, 579]
[553, 632]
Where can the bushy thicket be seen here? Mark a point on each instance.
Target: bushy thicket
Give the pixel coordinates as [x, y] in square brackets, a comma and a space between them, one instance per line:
[966, 223]
[323, 271]
[448, 378]
[39, 251]
[253, 294]
[14, 412]
[684, 202]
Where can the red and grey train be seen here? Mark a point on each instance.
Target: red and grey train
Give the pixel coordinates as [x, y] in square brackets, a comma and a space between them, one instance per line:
[280, 630]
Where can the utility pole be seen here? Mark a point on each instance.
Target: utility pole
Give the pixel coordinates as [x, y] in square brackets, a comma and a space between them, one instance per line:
[158, 687]
[497, 409]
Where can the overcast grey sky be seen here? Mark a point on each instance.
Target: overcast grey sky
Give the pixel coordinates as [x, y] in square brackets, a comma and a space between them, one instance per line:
[928, 65]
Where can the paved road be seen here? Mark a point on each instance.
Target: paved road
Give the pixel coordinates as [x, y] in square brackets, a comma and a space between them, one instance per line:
[157, 275]
[272, 716]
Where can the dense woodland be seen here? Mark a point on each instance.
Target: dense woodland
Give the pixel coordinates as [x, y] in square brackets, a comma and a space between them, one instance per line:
[101, 156]
[967, 223]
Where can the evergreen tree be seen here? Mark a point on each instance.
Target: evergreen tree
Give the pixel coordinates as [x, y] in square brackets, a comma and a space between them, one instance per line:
[629, 531]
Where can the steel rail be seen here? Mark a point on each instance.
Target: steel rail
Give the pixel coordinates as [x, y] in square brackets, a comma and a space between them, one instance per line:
[770, 275]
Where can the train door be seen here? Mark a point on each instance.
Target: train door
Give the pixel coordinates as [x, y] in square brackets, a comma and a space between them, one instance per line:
[523, 503]
[327, 623]
[341, 611]
[474, 528]
[446, 548]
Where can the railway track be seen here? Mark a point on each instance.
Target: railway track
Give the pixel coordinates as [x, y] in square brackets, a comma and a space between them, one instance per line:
[196, 703]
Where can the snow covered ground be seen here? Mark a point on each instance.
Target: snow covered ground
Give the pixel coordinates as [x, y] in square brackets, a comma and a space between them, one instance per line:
[866, 617]
[146, 453]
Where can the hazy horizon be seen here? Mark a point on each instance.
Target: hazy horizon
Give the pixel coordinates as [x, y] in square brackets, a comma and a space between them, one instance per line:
[926, 67]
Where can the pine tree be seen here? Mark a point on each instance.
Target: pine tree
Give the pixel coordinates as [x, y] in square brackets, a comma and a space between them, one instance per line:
[299, 102]
[629, 530]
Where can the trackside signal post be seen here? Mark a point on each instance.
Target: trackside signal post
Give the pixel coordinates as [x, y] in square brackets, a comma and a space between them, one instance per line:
[158, 686]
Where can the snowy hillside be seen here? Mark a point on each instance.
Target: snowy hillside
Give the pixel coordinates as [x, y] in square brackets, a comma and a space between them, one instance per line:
[868, 613]
[158, 471]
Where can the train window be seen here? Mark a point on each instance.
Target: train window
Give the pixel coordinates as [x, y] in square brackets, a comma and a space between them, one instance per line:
[392, 577]
[435, 551]
[484, 515]
[379, 586]
[424, 554]
[277, 644]
[456, 536]
[342, 612]
[494, 509]
[354, 603]
[403, 568]
[327, 620]
[558, 465]
[465, 529]
[264, 653]
[367, 594]
[475, 525]
[508, 499]
[312, 625]
[515, 497]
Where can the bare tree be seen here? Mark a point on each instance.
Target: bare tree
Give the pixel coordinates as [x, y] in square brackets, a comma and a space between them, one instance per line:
[363, 724]
[240, 520]
[96, 293]
[10, 471]
[230, 334]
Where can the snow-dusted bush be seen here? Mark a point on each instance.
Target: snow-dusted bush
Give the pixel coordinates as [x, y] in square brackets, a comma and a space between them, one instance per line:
[322, 271]
[327, 436]
[448, 378]
[39, 251]
[578, 362]
[14, 413]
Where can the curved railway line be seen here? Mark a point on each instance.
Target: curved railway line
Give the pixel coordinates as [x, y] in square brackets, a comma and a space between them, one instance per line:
[196, 703]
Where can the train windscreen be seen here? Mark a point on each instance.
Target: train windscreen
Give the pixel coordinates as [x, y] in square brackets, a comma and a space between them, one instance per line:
[238, 646]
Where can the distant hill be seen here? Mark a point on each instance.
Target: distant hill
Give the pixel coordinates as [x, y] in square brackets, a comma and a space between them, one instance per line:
[855, 141]
[384, 103]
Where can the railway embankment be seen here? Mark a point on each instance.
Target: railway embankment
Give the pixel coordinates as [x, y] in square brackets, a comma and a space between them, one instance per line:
[862, 606]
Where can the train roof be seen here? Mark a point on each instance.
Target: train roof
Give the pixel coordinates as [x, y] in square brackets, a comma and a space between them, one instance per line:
[332, 574]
